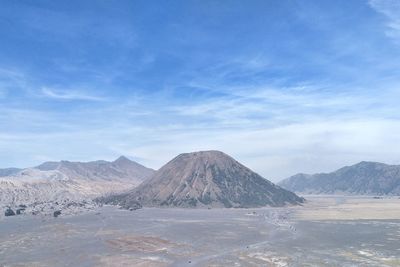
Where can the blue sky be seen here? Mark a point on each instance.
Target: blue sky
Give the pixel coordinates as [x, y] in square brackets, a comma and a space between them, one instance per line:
[283, 86]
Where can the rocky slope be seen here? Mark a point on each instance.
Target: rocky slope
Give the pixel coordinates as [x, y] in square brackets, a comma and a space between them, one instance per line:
[70, 181]
[205, 179]
[364, 178]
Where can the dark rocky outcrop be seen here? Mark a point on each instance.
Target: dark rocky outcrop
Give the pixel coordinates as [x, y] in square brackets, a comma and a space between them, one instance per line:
[20, 211]
[56, 213]
[9, 212]
[134, 205]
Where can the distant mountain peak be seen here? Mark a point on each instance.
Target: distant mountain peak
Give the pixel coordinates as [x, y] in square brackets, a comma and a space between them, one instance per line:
[208, 155]
[204, 153]
[122, 159]
[364, 162]
[363, 178]
[48, 165]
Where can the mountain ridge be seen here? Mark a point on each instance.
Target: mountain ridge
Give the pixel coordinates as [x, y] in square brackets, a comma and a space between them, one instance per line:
[58, 180]
[363, 178]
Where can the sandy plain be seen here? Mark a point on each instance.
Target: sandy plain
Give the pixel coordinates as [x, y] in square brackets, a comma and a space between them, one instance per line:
[350, 208]
[326, 231]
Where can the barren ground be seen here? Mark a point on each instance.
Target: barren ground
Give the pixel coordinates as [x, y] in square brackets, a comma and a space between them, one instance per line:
[327, 231]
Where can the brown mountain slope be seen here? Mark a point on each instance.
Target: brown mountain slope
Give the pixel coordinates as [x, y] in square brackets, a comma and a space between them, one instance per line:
[205, 179]
[56, 181]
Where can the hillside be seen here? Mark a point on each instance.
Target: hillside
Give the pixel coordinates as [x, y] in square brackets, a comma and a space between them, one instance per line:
[364, 178]
[205, 179]
[65, 180]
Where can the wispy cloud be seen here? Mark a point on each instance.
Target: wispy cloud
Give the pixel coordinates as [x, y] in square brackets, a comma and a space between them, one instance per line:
[69, 95]
[391, 9]
[254, 106]
[11, 80]
[308, 93]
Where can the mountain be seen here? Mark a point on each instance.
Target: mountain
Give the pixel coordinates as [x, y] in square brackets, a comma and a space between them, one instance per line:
[8, 171]
[205, 179]
[58, 181]
[364, 178]
[120, 169]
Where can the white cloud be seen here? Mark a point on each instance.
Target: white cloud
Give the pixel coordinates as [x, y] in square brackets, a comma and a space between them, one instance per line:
[69, 95]
[11, 80]
[276, 132]
[273, 149]
[252, 107]
[391, 9]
